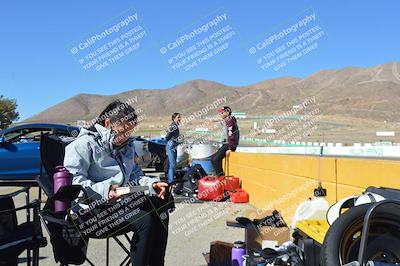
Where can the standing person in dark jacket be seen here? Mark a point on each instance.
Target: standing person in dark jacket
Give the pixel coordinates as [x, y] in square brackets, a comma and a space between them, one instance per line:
[230, 139]
[172, 144]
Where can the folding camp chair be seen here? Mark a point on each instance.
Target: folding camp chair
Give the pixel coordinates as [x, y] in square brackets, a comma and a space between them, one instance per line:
[65, 237]
[16, 238]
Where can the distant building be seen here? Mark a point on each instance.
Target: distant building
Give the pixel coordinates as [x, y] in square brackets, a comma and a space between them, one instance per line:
[239, 115]
[201, 129]
[385, 134]
[268, 130]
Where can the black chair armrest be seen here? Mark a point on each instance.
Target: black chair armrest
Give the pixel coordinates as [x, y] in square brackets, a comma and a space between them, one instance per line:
[34, 204]
[15, 193]
[69, 193]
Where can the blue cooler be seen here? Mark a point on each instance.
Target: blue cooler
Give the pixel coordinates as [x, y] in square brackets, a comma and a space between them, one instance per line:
[206, 163]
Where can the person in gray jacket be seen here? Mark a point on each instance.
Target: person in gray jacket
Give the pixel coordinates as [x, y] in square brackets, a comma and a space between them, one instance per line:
[101, 159]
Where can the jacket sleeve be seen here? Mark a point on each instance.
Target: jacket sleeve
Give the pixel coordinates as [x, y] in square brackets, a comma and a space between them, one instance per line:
[170, 131]
[138, 178]
[168, 135]
[78, 157]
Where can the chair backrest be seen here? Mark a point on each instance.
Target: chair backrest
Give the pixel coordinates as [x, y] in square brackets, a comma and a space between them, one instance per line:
[52, 151]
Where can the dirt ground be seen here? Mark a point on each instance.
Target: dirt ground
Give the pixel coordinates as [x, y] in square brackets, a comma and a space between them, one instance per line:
[193, 225]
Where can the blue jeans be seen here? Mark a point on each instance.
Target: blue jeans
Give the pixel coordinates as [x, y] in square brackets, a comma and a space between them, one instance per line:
[172, 154]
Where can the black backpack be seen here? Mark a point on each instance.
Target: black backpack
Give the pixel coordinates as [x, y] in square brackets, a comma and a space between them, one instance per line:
[192, 177]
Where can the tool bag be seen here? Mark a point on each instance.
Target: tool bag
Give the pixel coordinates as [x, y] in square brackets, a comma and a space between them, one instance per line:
[192, 175]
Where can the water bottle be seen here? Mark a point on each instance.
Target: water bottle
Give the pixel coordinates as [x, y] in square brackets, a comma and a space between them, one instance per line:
[61, 178]
[238, 251]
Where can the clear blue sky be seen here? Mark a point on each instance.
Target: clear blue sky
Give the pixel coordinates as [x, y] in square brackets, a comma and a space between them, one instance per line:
[38, 69]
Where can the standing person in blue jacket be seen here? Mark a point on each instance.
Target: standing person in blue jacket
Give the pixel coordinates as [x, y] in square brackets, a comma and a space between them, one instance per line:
[172, 144]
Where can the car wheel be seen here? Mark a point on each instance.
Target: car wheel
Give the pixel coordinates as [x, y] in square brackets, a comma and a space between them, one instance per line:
[342, 242]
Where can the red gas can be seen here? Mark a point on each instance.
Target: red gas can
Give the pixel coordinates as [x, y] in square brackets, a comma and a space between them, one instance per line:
[211, 188]
[232, 183]
[239, 196]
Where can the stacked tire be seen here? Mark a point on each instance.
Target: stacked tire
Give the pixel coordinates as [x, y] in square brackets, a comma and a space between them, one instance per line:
[342, 242]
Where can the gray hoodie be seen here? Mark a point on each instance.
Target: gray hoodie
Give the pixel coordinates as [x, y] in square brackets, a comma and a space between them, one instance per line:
[96, 164]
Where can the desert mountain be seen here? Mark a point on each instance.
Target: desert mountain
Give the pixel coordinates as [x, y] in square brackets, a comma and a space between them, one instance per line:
[370, 93]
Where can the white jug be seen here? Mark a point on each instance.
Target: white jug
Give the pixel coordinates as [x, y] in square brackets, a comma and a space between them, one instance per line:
[312, 209]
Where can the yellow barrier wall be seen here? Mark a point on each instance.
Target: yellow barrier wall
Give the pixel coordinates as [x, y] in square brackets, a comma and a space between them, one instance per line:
[284, 181]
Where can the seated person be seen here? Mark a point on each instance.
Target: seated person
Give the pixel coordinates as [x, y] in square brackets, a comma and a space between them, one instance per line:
[229, 139]
[102, 159]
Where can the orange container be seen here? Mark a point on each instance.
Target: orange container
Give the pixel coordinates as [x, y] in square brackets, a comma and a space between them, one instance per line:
[239, 196]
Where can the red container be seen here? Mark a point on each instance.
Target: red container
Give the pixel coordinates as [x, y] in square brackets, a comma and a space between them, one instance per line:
[211, 188]
[239, 196]
[232, 183]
